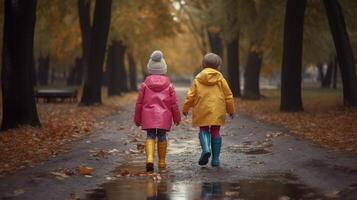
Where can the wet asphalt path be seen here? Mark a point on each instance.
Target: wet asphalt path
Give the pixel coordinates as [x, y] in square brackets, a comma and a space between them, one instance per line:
[258, 161]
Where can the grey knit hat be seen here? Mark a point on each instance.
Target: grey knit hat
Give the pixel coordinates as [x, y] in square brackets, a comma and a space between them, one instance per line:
[157, 64]
[211, 60]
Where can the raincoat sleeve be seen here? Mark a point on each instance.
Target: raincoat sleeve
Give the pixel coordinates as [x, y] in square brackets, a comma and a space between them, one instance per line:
[174, 106]
[190, 97]
[139, 105]
[228, 96]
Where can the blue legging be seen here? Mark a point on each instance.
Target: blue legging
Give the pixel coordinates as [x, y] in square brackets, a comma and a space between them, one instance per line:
[159, 133]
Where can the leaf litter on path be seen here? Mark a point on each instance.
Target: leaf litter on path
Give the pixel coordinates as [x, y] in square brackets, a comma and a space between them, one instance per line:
[324, 120]
[61, 125]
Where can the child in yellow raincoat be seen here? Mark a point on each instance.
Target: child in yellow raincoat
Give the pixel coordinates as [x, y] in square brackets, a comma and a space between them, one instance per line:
[211, 98]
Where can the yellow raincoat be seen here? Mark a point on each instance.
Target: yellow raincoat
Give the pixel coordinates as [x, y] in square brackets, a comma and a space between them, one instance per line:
[210, 98]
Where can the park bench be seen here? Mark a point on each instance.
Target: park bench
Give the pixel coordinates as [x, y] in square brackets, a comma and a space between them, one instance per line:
[55, 95]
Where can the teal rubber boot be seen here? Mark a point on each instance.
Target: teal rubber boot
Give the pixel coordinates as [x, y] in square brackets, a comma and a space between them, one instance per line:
[205, 140]
[216, 150]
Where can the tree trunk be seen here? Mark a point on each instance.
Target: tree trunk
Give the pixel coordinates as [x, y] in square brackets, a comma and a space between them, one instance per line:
[143, 68]
[122, 70]
[93, 82]
[53, 75]
[116, 79]
[327, 78]
[215, 43]
[43, 70]
[335, 72]
[251, 76]
[17, 74]
[233, 67]
[132, 73]
[343, 50]
[320, 69]
[109, 69]
[292, 55]
[71, 76]
[86, 29]
[79, 71]
[76, 73]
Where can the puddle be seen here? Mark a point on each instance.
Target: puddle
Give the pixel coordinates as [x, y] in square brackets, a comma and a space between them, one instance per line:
[147, 188]
[250, 150]
[179, 147]
[252, 147]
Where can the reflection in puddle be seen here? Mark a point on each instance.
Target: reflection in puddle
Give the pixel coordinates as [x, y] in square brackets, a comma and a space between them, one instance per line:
[181, 147]
[146, 188]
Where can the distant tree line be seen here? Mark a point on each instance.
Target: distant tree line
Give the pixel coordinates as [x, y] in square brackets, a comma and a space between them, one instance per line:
[128, 37]
[234, 29]
[254, 28]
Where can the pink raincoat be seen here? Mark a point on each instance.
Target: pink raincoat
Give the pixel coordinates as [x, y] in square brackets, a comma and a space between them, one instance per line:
[156, 106]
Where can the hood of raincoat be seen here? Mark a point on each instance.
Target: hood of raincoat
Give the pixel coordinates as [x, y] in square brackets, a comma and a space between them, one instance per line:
[157, 83]
[209, 76]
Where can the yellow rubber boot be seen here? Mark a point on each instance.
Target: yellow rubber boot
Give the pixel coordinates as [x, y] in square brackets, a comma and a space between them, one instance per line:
[150, 149]
[161, 151]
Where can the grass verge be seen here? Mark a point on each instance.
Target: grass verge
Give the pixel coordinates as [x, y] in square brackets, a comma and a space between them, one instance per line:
[324, 120]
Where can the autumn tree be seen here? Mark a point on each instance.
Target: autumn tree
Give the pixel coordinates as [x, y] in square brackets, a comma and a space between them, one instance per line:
[292, 56]
[215, 40]
[193, 14]
[228, 16]
[98, 40]
[260, 18]
[318, 49]
[17, 73]
[57, 34]
[132, 73]
[344, 51]
[84, 10]
[142, 25]
[117, 76]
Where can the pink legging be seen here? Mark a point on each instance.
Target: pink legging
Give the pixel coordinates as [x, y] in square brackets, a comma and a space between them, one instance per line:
[213, 130]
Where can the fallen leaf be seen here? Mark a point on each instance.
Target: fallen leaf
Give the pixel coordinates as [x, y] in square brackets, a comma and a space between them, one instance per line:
[140, 147]
[125, 173]
[134, 151]
[83, 170]
[60, 175]
[113, 151]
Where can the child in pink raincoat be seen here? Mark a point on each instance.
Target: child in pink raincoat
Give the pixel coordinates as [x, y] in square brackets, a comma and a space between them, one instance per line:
[156, 108]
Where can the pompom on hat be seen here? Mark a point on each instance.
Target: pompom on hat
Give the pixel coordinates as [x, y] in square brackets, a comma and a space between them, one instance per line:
[157, 64]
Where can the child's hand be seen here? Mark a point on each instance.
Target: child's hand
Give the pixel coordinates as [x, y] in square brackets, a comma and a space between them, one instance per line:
[185, 113]
[138, 124]
[231, 115]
